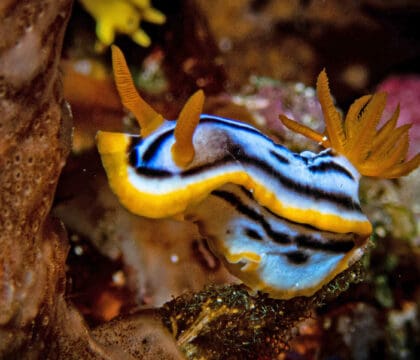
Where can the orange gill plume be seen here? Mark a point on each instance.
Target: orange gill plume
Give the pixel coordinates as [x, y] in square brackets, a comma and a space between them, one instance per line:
[374, 152]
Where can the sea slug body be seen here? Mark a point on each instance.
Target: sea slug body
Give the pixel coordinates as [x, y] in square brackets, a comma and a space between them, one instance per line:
[282, 222]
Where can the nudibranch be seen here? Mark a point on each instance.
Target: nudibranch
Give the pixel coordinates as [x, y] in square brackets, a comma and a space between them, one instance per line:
[284, 223]
[122, 16]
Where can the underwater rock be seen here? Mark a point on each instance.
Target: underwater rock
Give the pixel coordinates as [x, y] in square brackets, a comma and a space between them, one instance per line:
[145, 336]
[36, 321]
[35, 129]
[230, 322]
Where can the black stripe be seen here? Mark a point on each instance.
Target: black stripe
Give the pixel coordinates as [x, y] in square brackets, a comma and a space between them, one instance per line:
[304, 241]
[133, 158]
[302, 158]
[279, 237]
[309, 191]
[253, 234]
[156, 144]
[306, 226]
[249, 195]
[235, 201]
[279, 157]
[135, 140]
[132, 150]
[229, 122]
[297, 257]
[247, 192]
[150, 172]
[330, 246]
[201, 168]
[325, 167]
[326, 153]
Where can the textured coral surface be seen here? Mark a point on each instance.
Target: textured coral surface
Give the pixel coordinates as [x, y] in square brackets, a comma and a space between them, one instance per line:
[34, 142]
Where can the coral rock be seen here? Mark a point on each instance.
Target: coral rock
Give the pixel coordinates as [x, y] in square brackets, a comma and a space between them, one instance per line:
[34, 142]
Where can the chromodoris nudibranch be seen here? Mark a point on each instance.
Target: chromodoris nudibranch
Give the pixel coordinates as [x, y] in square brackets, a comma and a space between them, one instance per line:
[282, 222]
